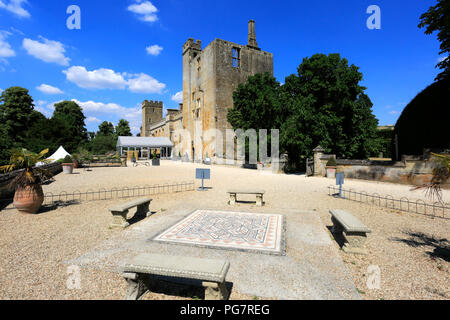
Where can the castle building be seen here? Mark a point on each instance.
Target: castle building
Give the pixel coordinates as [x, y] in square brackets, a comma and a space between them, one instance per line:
[210, 76]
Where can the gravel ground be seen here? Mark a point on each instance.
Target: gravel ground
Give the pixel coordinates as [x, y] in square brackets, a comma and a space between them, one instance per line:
[411, 250]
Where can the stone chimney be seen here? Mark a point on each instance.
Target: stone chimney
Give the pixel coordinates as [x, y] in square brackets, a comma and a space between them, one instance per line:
[252, 35]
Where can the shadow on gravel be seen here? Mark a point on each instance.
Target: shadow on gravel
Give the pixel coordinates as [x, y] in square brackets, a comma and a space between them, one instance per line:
[338, 237]
[178, 287]
[441, 247]
[136, 218]
[55, 205]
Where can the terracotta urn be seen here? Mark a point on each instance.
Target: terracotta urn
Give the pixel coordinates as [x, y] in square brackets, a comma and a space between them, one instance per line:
[29, 199]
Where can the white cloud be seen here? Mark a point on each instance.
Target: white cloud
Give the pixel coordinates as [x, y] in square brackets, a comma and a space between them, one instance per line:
[44, 108]
[93, 119]
[48, 50]
[109, 79]
[394, 112]
[5, 48]
[154, 50]
[144, 83]
[178, 97]
[441, 59]
[96, 79]
[45, 88]
[95, 110]
[15, 6]
[145, 10]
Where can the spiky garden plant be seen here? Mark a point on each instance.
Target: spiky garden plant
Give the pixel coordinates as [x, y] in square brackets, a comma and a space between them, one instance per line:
[31, 176]
[441, 174]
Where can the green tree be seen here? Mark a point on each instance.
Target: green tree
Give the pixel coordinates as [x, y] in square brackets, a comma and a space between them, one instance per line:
[47, 134]
[6, 144]
[105, 128]
[123, 129]
[256, 104]
[423, 123]
[105, 139]
[437, 18]
[102, 144]
[325, 105]
[16, 108]
[75, 134]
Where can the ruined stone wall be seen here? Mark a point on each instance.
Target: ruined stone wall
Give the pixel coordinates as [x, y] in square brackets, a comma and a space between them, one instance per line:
[209, 80]
[199, 90]
[252, 61]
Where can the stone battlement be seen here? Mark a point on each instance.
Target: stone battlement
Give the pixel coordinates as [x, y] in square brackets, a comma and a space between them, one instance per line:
[151, 103]
[191, 44]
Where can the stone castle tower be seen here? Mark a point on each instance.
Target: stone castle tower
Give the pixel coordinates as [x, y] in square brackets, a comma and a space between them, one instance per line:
[152, 112]
[210, 76]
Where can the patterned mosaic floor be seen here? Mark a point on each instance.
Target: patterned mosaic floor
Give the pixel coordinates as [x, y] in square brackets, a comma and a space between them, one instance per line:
[262, 233]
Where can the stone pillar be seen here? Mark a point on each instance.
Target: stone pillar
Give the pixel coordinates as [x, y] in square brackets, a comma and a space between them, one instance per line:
[259, 200]
[318, 153]
[252, 35]
[119, 219]
[215, 291]
[232, 199]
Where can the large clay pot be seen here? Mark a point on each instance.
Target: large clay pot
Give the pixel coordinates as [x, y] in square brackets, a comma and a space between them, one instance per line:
[29, 199]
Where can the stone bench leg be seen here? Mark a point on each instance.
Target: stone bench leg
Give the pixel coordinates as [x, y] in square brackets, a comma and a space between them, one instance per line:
[119, 219]
[232, 199]
[355, 242]
[143, 210]
[137, 285]
[215, 291]
[259, 200]
[337, 227]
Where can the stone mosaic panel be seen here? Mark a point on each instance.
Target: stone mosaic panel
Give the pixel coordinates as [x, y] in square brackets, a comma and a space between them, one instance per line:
[258, 232]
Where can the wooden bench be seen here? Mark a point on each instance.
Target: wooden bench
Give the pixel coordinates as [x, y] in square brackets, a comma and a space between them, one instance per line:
[354, 231]
[120, 212]
[259, 195]
[141, 272]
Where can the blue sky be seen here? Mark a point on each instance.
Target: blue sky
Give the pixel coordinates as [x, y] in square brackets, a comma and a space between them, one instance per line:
[130, 50]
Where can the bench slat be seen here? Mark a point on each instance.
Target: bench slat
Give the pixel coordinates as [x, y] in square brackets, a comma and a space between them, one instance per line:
[348, 221]
[247, 191]
[176, 266]
[129, 205]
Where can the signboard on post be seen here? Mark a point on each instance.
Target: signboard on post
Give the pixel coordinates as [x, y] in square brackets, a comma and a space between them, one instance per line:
[203, 174]
[340, 182]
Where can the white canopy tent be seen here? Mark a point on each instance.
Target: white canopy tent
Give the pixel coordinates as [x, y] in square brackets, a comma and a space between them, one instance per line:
[61, 153]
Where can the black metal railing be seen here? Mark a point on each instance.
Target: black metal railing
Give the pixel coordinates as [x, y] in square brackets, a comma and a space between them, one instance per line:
[76, 196]
[435, 210]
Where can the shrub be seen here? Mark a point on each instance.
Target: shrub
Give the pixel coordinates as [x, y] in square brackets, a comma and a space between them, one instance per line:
[68, 159]
[331, 162]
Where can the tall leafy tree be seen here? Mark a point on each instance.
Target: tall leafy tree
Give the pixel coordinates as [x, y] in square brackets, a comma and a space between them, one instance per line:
[16, 109]
[437, 19]
[323, 104]
[326, 105]
[72, 114]
[47, 134]
[104, 140]
[105, 128]
[256, 104]
[5, 145]
[123, 128]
